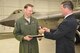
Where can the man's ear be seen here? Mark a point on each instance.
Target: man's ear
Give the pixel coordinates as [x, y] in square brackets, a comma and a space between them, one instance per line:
[66, 8]
[24, 10]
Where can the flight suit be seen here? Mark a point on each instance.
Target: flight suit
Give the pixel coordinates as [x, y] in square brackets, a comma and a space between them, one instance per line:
[24, 28]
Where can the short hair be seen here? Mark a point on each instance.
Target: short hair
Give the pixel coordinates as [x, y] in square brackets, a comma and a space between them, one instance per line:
[68, 4]
[26, 6]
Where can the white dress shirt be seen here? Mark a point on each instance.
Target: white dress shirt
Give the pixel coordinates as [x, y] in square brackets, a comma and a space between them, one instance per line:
[28, 19]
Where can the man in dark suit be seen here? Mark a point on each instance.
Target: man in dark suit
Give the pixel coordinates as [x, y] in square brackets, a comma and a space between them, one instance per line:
[65, 33]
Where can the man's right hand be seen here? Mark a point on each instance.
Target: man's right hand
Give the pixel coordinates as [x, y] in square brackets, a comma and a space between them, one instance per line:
[28, 38]
[46, 29]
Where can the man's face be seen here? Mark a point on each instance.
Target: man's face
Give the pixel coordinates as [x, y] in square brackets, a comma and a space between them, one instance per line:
[63, 10]
[28, 11]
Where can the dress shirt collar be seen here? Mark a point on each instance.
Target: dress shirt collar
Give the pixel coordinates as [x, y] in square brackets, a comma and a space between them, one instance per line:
[67, 15]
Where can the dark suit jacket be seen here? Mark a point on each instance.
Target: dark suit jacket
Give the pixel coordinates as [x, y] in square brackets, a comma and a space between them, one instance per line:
[64, 35]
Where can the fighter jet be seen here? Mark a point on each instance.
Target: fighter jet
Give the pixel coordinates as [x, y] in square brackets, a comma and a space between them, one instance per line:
[10, 21]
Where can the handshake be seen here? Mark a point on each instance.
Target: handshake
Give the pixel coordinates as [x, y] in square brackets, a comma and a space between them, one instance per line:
[43, 29]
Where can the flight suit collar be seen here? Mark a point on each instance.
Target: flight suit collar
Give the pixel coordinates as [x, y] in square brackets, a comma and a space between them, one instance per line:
[31, 20]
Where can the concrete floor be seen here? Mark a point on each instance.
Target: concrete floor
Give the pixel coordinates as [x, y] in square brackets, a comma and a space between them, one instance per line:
[45, 45]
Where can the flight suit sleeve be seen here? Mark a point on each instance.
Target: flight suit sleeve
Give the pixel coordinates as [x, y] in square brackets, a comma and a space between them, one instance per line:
[17, 32]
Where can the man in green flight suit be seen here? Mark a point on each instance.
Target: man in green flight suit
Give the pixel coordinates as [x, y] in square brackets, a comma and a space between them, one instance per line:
[25, 27]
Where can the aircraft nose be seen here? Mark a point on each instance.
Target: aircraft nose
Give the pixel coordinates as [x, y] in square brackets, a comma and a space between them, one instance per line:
[9, 23]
